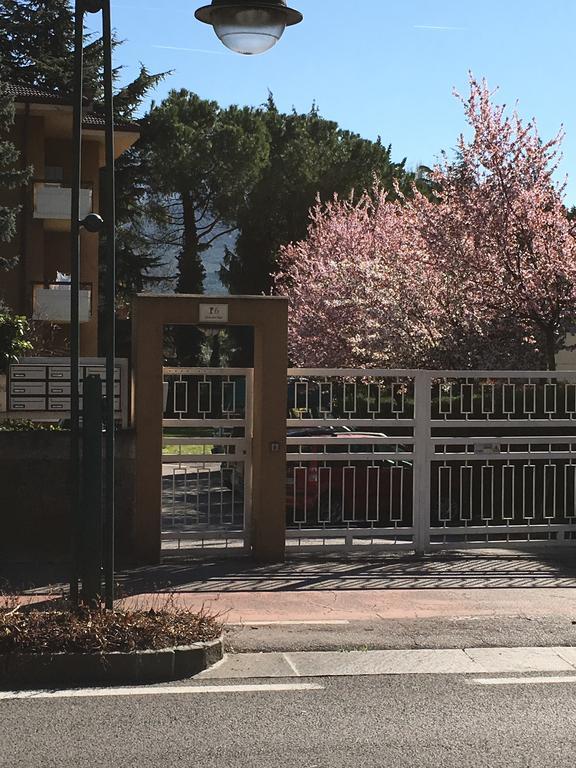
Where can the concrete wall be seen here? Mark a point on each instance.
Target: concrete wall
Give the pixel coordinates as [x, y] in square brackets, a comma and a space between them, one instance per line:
[35, 496]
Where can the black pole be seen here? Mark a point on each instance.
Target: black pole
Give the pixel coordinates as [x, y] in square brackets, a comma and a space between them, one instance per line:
[91, 565]
[110, 306]
[75, 301]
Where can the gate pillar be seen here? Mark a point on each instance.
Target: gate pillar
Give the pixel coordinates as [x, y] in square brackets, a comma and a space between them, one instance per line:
[268, 315]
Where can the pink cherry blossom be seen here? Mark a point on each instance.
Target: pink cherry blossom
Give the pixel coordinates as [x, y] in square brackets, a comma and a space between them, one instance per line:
[482, 275]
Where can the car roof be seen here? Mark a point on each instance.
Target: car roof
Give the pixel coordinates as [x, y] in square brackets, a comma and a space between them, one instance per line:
[360, 434]
[329, 432]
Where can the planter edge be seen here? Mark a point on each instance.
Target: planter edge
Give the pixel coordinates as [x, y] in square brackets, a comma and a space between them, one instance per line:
[66, 670]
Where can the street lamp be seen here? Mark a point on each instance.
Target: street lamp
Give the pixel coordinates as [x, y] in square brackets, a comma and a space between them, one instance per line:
[249, 27]
[92, 223]
[244, 26]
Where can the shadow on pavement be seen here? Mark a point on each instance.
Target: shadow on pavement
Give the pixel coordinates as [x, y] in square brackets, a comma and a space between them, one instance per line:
[550, 568]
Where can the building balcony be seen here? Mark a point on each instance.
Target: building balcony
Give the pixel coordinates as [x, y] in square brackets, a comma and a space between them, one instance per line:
[53, 201]
[51, 302]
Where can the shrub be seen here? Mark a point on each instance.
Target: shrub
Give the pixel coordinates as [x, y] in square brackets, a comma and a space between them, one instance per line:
[14, 332]
[25, 425]
[28, 630]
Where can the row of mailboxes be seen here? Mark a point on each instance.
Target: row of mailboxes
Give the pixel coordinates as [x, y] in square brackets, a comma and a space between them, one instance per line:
[47, 387]
[21, 372]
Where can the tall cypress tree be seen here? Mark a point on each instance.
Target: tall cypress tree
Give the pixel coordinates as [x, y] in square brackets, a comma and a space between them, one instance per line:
[11, 175]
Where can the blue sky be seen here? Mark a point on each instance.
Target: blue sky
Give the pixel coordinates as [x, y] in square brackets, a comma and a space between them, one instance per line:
[377, 67]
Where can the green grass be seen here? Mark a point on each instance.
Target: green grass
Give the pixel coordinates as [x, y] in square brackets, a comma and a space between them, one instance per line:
[187, 432]
[187, 450]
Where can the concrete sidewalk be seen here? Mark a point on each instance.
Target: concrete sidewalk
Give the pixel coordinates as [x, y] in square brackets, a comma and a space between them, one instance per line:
[385, 619]
[464, 661]
[450, 600]
[369, 606]
[393, 601]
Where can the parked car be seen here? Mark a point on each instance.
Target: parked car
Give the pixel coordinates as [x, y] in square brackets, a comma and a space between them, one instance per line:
[334, 491]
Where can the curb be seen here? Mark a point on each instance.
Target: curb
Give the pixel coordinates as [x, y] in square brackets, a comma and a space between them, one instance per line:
[59, 670]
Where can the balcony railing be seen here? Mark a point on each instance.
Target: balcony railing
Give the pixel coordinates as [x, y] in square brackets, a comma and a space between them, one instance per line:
[52, 200]
[51, 302]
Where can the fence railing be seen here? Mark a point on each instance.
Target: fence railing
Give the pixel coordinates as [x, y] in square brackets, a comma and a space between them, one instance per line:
[423, 459]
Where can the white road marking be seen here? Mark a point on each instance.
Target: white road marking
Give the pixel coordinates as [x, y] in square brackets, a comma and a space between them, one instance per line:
[288, 623]
[522, 680]
[87, 693]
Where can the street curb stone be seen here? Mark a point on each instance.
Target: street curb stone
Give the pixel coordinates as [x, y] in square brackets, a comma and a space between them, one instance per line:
[65, 670]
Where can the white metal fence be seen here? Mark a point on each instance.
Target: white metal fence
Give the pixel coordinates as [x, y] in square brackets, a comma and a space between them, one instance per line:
[430, 459]
[377, 459]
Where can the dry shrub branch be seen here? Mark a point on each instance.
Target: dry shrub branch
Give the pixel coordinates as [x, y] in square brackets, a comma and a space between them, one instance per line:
[99, 631]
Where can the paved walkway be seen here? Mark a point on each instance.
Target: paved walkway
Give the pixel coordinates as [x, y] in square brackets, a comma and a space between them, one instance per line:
[455, 585]
[374, 605]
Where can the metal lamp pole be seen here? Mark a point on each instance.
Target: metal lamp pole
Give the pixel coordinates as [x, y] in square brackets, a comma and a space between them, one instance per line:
[244, 26]
[92, 223]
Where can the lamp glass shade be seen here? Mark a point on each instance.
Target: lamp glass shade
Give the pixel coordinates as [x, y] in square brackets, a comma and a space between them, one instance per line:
[249, 30]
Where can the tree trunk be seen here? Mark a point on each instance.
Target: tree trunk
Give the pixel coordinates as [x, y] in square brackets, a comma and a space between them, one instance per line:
[216, 356]
[191, 272]
[188, 338]
[550, 349]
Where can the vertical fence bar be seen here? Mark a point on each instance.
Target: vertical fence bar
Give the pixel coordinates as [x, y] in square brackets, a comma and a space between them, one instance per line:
[75, 486]
[422, 460]
[110, 304]
[92, 491]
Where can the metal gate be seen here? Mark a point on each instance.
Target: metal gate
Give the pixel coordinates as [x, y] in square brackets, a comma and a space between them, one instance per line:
[424, 460]
[206, 459]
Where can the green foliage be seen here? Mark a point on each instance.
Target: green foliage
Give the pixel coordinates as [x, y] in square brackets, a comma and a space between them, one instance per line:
[25, 425]
[36, 49]
[309, 158]
[198, 161]
[36, 42]
[11, 176]
[14, 332]
[201, 161]
[136, 256]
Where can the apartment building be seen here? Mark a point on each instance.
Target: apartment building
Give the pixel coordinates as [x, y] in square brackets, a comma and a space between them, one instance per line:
[38, 286]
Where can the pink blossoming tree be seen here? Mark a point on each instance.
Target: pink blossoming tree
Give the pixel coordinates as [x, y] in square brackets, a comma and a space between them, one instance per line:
[481, 275]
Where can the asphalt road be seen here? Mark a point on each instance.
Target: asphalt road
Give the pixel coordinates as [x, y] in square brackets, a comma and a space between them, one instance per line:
[365, 722]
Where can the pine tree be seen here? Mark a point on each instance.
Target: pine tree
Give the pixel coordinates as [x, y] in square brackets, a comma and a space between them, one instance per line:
[201, 160]
[36, 41]
[37, 49]
[310, 158]
[11, 175]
